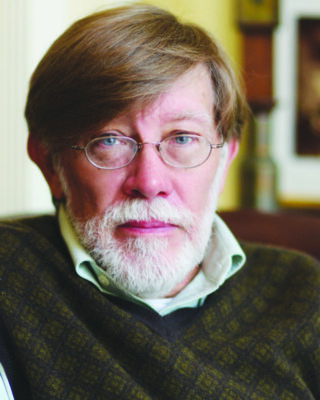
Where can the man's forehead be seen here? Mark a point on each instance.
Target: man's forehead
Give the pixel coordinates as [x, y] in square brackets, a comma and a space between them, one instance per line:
[191, 97]
[162, 118]
[171, 111]
[197, 116]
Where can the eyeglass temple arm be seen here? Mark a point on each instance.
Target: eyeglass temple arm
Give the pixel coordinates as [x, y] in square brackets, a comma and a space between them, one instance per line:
[78, 147]
[216, 146]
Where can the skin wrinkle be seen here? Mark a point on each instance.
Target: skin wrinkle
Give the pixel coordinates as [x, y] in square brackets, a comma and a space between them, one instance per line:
[155, 276]
[170, 118]
[166, 120]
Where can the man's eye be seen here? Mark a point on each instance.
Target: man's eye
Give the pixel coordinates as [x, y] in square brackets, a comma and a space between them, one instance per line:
[184, 139]
[109, 141]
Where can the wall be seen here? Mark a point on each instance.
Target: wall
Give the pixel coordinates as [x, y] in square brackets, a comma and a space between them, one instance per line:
[27, 28]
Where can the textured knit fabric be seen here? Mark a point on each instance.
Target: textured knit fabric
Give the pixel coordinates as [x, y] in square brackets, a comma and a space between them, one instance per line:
[257, 337]
[224, 257]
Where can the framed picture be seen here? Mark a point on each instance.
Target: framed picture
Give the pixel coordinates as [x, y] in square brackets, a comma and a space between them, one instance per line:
[257, 13]
[296, 117]
[308, 87]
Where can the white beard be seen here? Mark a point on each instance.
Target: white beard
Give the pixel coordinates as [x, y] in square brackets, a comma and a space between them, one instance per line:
[144, 266]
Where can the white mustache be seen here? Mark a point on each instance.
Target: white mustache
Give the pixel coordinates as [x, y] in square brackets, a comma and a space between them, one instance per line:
[141, 210]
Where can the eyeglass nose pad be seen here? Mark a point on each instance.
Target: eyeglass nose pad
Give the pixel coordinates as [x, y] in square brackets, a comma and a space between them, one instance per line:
[154, 144]
[141, 144]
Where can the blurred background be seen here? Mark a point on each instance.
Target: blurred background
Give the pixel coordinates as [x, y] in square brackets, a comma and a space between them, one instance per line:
[274, 47]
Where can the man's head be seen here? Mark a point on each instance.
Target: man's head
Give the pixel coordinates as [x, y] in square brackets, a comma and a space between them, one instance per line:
[136, 72]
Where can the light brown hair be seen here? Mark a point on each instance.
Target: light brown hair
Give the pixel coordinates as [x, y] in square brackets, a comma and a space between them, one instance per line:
[119, 59]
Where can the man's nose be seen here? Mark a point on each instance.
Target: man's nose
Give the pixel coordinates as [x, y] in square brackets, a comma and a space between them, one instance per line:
[148, 175]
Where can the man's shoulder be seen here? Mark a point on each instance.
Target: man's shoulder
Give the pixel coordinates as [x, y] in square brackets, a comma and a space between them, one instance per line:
[17, 235]
[42, 225]
[273, 269]
[278, 286]
[267, 258]
[280, 257]
[27, 220]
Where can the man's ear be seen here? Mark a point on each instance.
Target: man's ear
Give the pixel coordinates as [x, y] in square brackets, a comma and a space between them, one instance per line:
[232, 149]
[43, 159]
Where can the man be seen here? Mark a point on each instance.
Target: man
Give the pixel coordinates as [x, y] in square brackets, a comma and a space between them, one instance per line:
[136, 289]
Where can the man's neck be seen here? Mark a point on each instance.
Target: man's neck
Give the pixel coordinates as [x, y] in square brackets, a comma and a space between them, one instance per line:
[181, 285]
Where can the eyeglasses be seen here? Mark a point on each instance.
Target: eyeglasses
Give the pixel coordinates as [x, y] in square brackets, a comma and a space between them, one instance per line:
[183, 150]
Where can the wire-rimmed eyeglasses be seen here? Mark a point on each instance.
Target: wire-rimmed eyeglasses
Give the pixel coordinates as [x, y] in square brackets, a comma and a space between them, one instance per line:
[182, 150]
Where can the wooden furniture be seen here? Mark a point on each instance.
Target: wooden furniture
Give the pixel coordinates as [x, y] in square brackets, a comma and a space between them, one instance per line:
[290, 230]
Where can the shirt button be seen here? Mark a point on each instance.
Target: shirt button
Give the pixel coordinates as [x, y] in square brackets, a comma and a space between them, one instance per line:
[104, 280]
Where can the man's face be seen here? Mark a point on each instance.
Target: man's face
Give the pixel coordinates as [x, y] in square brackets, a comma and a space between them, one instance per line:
[187, 106]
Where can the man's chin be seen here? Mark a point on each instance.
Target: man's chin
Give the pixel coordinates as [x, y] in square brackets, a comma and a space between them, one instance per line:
[144, 267]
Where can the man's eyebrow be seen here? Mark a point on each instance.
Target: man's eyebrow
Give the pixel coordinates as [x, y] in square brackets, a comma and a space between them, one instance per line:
[191, 115]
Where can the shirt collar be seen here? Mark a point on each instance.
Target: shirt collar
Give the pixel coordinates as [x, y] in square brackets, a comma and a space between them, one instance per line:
[224, 257]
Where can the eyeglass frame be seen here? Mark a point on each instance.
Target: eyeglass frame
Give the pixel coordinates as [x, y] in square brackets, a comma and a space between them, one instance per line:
[139, 146]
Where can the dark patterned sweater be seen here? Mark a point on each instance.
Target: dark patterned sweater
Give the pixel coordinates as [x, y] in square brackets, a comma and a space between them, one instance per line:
[257, 337]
